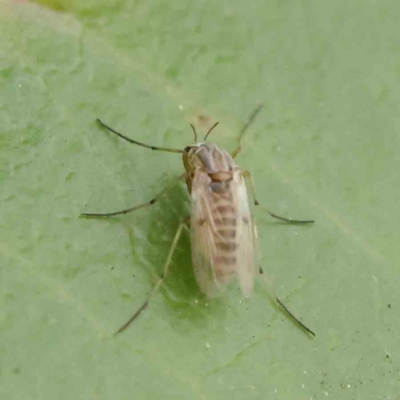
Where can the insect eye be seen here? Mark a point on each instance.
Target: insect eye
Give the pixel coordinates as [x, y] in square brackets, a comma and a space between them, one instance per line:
[188, 148]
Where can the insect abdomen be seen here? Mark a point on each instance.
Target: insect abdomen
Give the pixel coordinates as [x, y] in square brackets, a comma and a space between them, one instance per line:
[225, 259]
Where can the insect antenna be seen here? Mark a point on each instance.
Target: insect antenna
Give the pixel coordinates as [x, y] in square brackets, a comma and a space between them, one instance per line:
[136, 142]
[195, 133]
[210, 130]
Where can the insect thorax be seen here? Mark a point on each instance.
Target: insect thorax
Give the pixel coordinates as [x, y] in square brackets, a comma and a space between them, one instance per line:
[210, 159]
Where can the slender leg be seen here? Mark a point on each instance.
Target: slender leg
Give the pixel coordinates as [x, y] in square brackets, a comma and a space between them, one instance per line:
[160, 279]
[288, 312]
[279, 302]
[244, 129]
[128, 210]
[247, 174]
[273, 296]
[136, 142]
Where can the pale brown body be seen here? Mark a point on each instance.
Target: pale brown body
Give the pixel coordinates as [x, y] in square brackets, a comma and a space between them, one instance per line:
[221, 226]
[223, 237]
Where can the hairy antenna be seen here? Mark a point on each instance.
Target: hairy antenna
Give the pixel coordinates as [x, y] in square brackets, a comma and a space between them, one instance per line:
[195, 133]
[209, 131]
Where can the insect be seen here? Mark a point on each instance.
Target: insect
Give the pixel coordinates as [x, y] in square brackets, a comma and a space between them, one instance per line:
[223, 233]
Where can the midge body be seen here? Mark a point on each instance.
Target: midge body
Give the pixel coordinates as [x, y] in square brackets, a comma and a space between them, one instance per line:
[223, 233]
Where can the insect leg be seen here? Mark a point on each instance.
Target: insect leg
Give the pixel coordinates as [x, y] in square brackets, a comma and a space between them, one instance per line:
[273, 296]
[138, 207]
[284, 308]
[244, 129]
[160, 279]
[135, 141]
[247, 174]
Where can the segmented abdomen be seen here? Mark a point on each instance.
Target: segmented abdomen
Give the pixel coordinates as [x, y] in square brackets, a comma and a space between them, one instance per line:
[224, 216]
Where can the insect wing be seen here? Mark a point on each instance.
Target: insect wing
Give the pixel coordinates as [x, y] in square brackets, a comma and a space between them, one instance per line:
[202, 236]
[212, 231]
[246, 255]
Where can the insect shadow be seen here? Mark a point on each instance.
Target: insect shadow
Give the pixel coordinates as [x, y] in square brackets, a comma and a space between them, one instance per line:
[185, 301]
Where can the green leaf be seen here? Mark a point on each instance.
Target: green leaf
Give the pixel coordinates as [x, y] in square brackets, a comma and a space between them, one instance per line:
[326, 146]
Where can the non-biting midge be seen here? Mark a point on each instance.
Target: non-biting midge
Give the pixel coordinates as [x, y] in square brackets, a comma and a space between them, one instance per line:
[223, 233]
